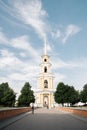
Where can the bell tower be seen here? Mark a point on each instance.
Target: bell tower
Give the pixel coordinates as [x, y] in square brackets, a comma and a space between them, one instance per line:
[45, 80]
[44, 95]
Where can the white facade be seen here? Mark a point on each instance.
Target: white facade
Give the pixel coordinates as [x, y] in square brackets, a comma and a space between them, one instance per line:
[45, 94]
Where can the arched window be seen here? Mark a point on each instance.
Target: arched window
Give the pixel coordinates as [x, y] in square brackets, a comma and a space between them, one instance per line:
[45, 69]
[45, 60]
[45, 84]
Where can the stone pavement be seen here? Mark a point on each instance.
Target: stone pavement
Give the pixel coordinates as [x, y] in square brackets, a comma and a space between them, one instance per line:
[9, 121]
[56, 111]
[49, 111]
[45, 119]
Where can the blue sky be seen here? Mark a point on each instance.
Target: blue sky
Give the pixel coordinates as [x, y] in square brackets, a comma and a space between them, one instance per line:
[24, 26]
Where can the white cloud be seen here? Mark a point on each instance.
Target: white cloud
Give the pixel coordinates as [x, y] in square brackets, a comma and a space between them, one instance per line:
[5, 53]
[80, 63]
[18, 77]
[21, 43]
[31, 12]
[3, 38]
[70, 31]
[9, 61]
[49, 49]
[58, 63]
[58, 77]
[64, 34]
[17, 70]
[13, 70]
[72, 72]
[57, 34]
[22, 54]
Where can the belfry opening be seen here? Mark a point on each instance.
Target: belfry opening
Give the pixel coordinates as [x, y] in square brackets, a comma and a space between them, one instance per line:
[45, 69]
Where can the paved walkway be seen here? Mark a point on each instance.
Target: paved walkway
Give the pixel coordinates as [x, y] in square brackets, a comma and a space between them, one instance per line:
[45, 119]
[49, 111]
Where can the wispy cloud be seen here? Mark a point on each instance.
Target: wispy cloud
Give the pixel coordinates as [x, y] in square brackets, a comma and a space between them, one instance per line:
[58, 77]
[21, 43]
[24, 44]
[64, 34]
[16, 70]
[23, 54]
[80, 63]
[19, 59]
[70, 31]
[8, 60]
[3, 38]
[71, 72]
[49, 49]
[31, 13]
[56, 34]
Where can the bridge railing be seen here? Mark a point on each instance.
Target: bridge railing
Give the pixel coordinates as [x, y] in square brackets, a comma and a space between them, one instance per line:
[13, 112]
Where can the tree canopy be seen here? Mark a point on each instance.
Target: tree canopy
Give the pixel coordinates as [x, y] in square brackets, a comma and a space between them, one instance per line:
[66, 94]
[26, 96]
[83, 94]
[7, 95]
[59, 94]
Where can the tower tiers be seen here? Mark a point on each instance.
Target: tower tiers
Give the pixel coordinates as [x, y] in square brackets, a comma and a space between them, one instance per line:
[44, 95]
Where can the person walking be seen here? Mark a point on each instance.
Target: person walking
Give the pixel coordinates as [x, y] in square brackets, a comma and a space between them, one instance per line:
[32, 108]
[47, 106]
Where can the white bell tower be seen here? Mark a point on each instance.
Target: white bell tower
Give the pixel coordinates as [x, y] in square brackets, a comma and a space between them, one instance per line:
[44, 95]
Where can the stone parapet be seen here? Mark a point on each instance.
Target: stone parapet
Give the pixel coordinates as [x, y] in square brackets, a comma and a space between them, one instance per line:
[13, 112]
[74, 111]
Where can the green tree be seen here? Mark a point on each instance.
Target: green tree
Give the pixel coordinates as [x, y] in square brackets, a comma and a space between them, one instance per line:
[83, 94]
[3, 88]
[59, 95]
[27, 96]
[7, 95]
[66, 94]
[73, 95]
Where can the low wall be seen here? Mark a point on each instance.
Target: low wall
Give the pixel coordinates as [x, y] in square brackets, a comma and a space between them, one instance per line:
[74, 111]
[13, 112]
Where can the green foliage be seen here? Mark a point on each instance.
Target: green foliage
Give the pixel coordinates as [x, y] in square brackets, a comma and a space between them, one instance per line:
[26, 96]
[83, 94]
[59, 94]
[66, 94]
[7, 95]
[73, 96]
